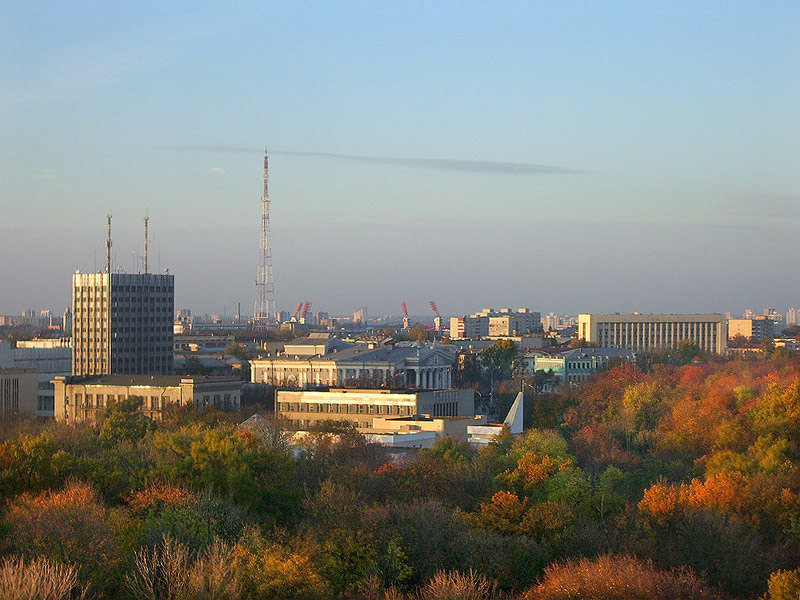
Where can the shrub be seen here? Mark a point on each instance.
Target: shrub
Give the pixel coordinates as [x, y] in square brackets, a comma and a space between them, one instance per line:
[618, 578]
[453, 585]
[783, 585]
[71, 526]
[276, 572]
[39, 579]
[170, 572]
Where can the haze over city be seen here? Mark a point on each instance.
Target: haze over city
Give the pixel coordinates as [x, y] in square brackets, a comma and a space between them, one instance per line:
[570, 156]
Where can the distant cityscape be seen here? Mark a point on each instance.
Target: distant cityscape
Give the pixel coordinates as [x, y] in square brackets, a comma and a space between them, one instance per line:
[122, 338]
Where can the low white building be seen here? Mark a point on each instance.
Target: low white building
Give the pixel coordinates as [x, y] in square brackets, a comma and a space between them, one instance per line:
[49, 358]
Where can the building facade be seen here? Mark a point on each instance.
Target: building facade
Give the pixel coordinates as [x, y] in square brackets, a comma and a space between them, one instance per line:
[654, 331]
[79, 399]
[17, 393]
[362, 406]
[502, 323]
[316, 362]
[757, 328]
[122, 323]
[578, 365]
[50, 358]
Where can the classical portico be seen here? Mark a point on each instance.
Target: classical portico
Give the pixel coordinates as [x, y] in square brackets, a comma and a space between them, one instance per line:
[359, 365]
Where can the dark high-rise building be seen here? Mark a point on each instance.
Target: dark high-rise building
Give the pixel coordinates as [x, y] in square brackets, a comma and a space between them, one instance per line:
[122, 323]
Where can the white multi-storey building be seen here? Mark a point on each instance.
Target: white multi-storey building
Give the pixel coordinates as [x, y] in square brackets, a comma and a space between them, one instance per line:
[648, 331]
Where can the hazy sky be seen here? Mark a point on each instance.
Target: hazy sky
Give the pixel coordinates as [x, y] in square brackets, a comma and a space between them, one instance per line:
[560, 156]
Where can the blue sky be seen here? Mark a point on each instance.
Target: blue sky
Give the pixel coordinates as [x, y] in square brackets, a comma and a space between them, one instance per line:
[658, 145]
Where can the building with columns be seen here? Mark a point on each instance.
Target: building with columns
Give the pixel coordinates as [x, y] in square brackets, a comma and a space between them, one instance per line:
[650, 331]
[325, 362]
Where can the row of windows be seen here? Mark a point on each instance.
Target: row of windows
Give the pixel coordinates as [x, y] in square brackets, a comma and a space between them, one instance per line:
[306, 423]
[370, 409]
[45, 403]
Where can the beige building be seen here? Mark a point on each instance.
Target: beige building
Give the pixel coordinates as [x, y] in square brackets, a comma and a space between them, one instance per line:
[755, 328]
[362, 407]
[502, 323]
[85, 398]
[122, 323]
[653, 331]
[18, 389]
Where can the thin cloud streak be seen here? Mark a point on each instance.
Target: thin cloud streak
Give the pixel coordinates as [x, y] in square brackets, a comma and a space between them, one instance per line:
[439, 164]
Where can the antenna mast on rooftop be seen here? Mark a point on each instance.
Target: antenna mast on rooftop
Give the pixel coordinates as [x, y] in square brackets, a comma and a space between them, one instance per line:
[146, 219]
[108, 246]
[265, 301]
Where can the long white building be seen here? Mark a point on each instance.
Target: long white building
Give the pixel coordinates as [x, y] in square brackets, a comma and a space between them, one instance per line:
[654, 331]
[320, 361]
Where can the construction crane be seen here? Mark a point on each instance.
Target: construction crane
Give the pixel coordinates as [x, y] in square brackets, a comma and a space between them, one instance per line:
[296, 312]
[306, 307]
[437, 320]
[406, 318]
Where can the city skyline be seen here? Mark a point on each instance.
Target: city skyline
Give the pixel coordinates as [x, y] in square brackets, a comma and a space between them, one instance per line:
[570, 158]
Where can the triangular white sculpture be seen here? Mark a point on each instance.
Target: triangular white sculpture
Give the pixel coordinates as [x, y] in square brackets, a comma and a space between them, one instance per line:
[514, 417]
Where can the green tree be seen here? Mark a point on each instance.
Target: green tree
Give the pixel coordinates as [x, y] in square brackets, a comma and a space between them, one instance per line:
[122, 422]
[498, 359]
[233, 464]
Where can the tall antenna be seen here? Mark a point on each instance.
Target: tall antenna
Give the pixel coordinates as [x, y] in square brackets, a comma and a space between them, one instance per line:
[146, 219]
[265, 301]
[108, 246]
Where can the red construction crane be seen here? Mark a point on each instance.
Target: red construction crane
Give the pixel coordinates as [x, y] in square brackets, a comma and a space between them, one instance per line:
[437, 320]
[305, 311]
[406, 318]
[297, 310]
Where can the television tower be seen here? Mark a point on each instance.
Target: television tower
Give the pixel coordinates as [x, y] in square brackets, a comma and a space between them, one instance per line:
[264, 310]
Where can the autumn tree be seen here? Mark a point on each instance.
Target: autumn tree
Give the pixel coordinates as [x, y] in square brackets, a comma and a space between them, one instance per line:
[616, 578]
[71, 526]
[417, 334]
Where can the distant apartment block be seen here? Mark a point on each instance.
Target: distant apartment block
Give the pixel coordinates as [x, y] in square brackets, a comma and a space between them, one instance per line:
[792, 317]
[122, 323]
[361, 315]
[502, 323]
[757, 328]
[80, 399]
[654, 331]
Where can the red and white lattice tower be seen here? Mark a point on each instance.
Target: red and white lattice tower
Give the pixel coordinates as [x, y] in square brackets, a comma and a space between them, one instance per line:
[264, 311]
